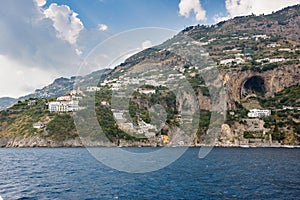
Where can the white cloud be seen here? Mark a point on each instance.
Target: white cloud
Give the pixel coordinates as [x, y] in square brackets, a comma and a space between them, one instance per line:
[65, 22]
[16, 80]
[40, 3]
[247, 7]
[31, 54]
[220, 17]
[102, 27]
[186, 6]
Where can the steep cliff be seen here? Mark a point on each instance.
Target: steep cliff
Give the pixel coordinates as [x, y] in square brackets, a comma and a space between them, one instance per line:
[272, 82]
[257, 57]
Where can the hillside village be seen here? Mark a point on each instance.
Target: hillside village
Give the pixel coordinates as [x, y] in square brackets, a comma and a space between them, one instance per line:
[259, 69]
[144, 128]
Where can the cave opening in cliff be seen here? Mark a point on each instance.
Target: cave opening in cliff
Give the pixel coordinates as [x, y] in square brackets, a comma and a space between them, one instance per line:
[254, 86]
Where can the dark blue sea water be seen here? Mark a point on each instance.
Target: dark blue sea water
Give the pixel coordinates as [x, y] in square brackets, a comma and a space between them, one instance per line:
[226, 173]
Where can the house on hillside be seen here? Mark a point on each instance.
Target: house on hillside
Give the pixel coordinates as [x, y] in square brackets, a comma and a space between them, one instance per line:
[63, 106]
[39, 125]
[76, 92]
[64, 98]
[93, 89]
[254, 113]
[31, 103]
[147, 91]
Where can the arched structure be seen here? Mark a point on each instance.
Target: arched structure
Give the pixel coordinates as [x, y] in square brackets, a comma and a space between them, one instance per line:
[242, 84]
[253, 87]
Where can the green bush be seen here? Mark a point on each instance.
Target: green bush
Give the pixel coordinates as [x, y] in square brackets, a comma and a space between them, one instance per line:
[62, 127]
[248, 135]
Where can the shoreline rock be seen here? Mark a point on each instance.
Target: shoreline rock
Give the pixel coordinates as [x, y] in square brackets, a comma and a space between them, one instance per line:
[36, 142]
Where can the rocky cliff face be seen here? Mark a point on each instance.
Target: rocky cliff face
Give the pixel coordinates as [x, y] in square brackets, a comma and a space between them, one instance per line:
[42, 142]
[256, 56]
[274, 81]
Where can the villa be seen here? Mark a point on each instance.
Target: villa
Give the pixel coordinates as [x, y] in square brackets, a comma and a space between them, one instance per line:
[254, 113]
[63, 106]
[39, 125]
[93, 89]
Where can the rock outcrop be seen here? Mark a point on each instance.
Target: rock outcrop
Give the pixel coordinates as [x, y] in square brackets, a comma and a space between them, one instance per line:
[41, 142]
[275, 80]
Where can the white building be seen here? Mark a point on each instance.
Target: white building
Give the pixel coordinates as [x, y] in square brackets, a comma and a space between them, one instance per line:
[31, 103]
[285, 49]
[119, 116]
[271, 60]
[76, 98]
[116, 86]
[39, 125]
[92, 89]
[64, 98]
[104, 103]
[56, 106]
[273, 45]
[231, 61]
[73, 106]
[76, 92]
[63, 106]
[147, 91]
[263, 60]
[254, 113]
[260, 36]
[274, 60]
[73, 92]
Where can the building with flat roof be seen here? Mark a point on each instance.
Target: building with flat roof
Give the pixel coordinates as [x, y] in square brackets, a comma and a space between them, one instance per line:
[254, 113]
[63, 106]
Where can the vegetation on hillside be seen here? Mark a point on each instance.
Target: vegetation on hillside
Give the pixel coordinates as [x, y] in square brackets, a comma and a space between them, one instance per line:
[241, 44]
[18, 121]
[283, 124]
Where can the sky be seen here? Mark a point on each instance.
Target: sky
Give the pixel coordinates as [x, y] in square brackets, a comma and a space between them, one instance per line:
[46, 39]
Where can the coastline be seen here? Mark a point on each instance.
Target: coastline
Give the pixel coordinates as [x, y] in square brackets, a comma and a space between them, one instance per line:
[36, 142]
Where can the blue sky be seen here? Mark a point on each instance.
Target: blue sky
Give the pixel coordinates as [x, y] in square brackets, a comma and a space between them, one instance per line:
[45, 39]
[121, 15]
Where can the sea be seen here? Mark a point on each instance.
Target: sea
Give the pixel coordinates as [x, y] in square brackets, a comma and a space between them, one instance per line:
[225, 173]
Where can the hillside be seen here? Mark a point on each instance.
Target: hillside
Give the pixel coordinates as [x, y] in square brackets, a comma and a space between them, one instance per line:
[18, 122]
[253, 59]
[257, 58]
[6, 102]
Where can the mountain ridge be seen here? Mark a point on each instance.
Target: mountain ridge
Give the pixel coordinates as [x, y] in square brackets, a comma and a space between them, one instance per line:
[59, 87]
[258, 59]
